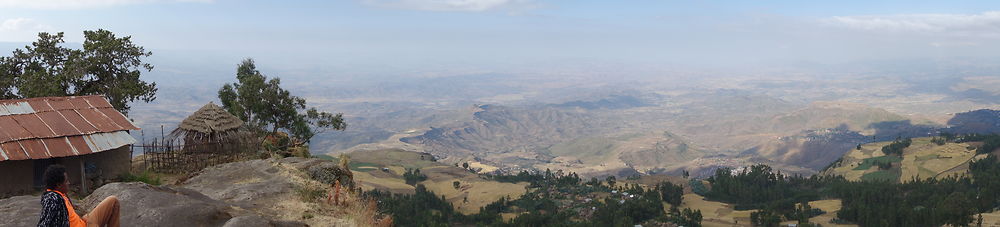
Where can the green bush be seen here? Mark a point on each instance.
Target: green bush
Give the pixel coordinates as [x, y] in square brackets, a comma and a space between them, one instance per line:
[144, 176]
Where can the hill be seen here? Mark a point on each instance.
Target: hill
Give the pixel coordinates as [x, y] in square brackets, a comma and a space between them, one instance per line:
[626, 155]
[384, 169]
[984, 121]
[922, 159]
[813, 149]
[622, 135]
[508, 136]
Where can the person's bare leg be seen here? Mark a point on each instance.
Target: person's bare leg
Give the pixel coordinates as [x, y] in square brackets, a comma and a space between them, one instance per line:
[107, 213]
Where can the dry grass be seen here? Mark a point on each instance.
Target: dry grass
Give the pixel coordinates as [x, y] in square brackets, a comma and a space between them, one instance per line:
[440, 178]
[716, 213]
[990, 219]
[321, 206]
[391, 184]
[364, 212]
[483, 168]
[479, 192]
[931, 160]
[830, 206]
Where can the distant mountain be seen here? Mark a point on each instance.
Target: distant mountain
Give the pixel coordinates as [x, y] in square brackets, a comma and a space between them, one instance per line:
[497, 132]
[613, 102]
[984, 121]
[813, 149]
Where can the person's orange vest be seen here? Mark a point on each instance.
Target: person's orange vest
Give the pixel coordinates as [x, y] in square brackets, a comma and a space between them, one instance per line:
[74, 219]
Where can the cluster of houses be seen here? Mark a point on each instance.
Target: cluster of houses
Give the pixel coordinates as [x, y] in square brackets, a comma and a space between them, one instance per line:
[84, 133]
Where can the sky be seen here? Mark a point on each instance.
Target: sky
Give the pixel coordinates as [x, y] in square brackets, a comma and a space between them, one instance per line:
[400, 37]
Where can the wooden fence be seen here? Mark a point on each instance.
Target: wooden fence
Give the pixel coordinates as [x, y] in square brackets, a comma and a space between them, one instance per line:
[172, 156]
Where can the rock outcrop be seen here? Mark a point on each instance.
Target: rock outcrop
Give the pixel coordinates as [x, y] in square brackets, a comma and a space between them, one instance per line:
[244, 194]
[20, 210]
[148, 205]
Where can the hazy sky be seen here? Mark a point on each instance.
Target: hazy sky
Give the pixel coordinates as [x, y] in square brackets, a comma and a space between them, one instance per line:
[428, 35]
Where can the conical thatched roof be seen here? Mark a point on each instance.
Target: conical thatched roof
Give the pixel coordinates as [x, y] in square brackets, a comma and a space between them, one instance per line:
[210, 119]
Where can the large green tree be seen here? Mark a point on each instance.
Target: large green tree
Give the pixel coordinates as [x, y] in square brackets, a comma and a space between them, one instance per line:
[107, 65]
[267, 108]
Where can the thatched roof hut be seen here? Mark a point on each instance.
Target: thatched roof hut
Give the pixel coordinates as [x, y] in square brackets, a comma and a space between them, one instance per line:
[208, 124]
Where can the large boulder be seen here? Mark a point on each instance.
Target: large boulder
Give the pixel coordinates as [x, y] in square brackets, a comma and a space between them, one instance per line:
[248, 184]
[328, 173]
[258, 221]
[147, 205]
[302, 163]
[20, 211]
[275, 189]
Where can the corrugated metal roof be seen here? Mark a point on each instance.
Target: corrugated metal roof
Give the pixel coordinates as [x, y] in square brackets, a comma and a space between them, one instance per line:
[15, 108]
[48, 127]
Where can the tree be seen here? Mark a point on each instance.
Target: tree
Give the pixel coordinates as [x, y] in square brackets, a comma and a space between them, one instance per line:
[956, 209]
[266, 107]
[897, 146]
[689, 217]
[107, 65]
[465, 165]
[413, 176]
[670, 193]
[764, 218]
[456, 184]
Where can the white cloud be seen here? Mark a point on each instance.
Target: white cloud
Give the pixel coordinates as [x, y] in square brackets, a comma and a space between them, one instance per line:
[983, 24]
[78, 4]
[450, 5]
[21, 29]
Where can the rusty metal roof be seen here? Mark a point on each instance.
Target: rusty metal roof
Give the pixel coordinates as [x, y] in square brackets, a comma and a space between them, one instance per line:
[48, 127]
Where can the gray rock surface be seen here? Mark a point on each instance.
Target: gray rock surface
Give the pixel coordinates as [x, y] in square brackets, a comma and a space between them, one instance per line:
[302, 163]
[148, 205]
[270, 188]
[249, 184]
[239, 194]
[20, 211]
[258, 221]
[248, 221]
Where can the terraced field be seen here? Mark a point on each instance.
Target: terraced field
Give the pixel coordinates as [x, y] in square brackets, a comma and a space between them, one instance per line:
[383, 170]
[923, 159]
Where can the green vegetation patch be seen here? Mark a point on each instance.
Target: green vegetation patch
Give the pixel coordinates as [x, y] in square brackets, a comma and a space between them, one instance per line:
[144, 176]
[891, 175]
[869, 162]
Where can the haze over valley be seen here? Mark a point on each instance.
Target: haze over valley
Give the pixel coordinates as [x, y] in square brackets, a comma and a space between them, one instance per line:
[606, 123]
[502, 112]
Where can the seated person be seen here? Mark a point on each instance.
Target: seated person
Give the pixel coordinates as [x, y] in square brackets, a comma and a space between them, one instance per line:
[57, 209]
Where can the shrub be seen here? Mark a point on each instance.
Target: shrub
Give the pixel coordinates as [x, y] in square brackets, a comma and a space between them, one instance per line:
[300, 151]
[309, 193]
[144, 176]
[328, 173]
[413, 176]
